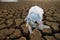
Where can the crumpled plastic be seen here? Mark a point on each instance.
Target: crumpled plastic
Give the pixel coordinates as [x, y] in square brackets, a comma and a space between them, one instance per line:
[35, 15]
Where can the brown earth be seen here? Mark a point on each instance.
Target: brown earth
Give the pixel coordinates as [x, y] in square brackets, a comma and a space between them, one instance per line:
[13, 26]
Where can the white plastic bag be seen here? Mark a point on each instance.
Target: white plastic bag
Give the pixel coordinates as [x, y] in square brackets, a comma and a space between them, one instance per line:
[34, 18]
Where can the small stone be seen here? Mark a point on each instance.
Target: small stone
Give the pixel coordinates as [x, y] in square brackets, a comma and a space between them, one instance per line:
[9, 22]
[2, 26]
[57, 35]
[50, 38]
[16, 34]
[18, 21]
[25, 29]
[36, 35]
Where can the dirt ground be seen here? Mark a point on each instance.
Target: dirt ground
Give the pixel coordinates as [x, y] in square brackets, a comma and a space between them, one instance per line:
[13, 26]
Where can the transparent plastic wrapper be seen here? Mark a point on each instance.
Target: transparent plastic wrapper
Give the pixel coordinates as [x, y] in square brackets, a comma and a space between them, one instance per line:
[34, 19]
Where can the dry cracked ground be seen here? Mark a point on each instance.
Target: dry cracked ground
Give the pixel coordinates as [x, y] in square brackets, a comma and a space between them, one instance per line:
[13, 26]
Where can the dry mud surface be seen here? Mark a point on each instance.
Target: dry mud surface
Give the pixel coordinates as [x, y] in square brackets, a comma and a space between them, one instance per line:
[13, 26]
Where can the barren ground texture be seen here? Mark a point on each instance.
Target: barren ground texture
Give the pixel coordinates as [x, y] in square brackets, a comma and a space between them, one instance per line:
[13, 26]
